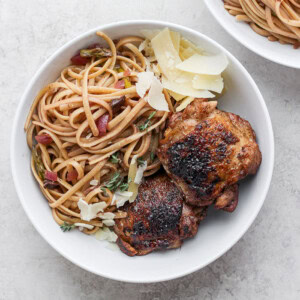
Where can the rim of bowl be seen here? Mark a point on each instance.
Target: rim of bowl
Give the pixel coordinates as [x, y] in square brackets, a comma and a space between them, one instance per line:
[246, 44]
[110, 26]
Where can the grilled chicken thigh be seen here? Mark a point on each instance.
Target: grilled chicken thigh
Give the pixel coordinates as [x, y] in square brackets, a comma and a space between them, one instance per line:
[206, 151]
[158, 219]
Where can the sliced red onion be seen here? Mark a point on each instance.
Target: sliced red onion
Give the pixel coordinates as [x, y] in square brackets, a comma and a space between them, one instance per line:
[51, 175]
[102, 124]
[44, 139]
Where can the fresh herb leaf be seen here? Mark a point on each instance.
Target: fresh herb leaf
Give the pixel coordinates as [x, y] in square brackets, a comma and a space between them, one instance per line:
[103, 189]
[114, 158]
[98, 52]
[115, 181]
[66, 227]
[147, 122]
[152, 156]
[140, 161]
[39, 166]
[124, 186]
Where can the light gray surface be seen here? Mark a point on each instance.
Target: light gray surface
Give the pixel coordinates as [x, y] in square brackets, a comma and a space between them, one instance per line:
[264, 264]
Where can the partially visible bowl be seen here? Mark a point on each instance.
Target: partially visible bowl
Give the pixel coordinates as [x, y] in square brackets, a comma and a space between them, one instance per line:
[282, 54]
[217, 234]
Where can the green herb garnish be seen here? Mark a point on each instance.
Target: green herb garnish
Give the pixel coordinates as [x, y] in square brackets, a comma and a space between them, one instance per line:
[114, 158]
[147, 123]
[140, 161]
[152, 156]
[124, 186]
[98, 52]
[117, 182]
[67, 227]
[103, 189]
[39, 166]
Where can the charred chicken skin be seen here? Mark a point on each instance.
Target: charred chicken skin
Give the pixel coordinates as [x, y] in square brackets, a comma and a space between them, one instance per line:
[158, 219]
[206, 152]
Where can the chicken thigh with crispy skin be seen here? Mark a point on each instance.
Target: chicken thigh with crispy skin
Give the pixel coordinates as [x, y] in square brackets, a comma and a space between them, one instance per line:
[158, 219]
[206, 151]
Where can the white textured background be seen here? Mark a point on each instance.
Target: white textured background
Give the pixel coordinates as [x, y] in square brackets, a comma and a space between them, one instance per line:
[264, 264]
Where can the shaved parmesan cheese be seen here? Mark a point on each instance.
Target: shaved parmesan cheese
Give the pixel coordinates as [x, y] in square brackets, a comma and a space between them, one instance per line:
[175, 36]
[105, 234]
[184, 103]
[207, 65]
[208, 82]
[109, 222]
[156, 70]
[149, 34]
[88, 226]
[186, 53]
[140, 172]
[107, 216]
[133, 160]
[120, 198]
[156, 98]
[89, 135]
[146, 47]
[186, 44]
[90, 211]
[143, 45]
[166, 54]
[144, 82]
[176, 96]
[185, 88]
[133, 187]
[94, 182]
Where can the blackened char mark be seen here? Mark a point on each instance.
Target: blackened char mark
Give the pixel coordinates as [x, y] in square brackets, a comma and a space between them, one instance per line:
[193, 158]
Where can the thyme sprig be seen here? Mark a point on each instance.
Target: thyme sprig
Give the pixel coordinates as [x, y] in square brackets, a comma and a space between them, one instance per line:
[147, 123]
[67, 227]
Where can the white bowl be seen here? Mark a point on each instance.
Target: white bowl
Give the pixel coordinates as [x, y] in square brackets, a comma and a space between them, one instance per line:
[282, 54]
[217, 234]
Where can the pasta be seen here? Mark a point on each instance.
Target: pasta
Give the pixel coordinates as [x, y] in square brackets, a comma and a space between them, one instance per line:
[89, 124]
[278, 20]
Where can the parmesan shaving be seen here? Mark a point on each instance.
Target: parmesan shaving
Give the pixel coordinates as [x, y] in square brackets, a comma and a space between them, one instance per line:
[144, 82]
[105, 234]
[109, 222]
[90, 211]
[156, 98]
[107, 216]
[166, 54]
[175, 36]
[207, 65]
[94, 182]
[143, 45]
[186, 44]
[208, 82]
[120, 198]
[149, 34]
[176, 96]
[185, 88]
[89, 136]
[133, 187]
[88, 226]
[140, 172]
[184, 103]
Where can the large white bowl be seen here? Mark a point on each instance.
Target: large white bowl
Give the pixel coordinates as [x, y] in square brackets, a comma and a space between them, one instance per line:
[282, 54]
[217, 234]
